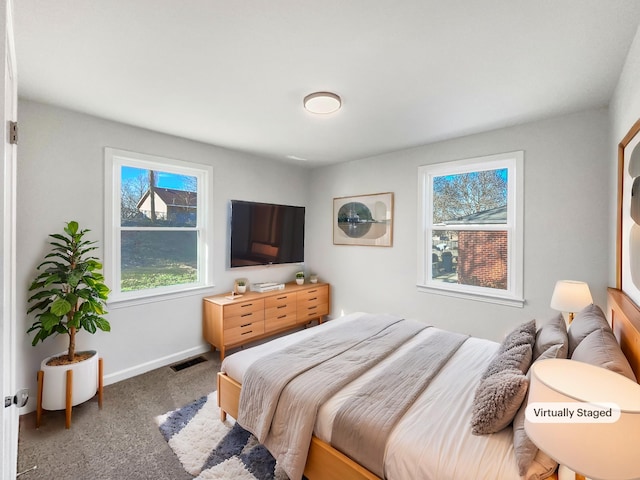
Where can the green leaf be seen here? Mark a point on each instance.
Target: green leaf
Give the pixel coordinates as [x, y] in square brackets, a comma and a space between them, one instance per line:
[74, 278]
[103, 325]
[49, 321]
[88, 324]
[71, 228]
[76, 321]
[60, 307]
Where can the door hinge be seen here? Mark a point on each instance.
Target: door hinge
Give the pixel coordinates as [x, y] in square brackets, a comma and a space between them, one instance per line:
[13, 133]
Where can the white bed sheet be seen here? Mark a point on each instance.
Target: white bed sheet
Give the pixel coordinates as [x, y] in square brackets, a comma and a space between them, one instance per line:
[445, 448]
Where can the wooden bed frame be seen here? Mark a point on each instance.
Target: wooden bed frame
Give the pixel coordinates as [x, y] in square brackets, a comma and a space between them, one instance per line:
[326, 463]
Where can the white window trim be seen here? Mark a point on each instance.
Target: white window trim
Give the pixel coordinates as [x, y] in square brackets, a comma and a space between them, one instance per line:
[114, 159]
[514, 161]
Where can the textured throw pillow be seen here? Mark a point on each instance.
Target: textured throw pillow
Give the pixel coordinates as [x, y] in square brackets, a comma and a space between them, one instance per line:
[530, 460]
[497, 400]
[554, 332]
[524, 334]
[589, 319]
[516, 358]
[601, 348]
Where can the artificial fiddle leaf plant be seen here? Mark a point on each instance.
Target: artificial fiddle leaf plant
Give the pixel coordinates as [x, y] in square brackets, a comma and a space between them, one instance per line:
[70, 294]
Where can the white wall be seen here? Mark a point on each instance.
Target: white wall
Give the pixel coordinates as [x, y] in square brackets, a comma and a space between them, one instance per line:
[61, 178]
[567, 216]
[566, 224]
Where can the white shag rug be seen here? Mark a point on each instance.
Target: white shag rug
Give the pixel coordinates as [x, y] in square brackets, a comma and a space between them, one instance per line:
[210, 449]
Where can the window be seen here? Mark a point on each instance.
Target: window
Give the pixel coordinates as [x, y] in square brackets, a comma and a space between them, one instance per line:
[471, 235]
[157, 225]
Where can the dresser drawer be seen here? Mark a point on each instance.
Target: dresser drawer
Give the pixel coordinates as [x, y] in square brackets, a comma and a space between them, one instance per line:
[282, 320]
[240, 308]
[243, 333]
[312, 311]
[242, 319]
[314, 295]
[280, 300]
[279, 310]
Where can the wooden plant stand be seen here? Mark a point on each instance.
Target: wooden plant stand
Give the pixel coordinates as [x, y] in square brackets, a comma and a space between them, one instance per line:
[69, 395]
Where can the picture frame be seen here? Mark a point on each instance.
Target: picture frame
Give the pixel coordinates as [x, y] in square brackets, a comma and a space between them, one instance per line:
[628, 221]
[365, 220]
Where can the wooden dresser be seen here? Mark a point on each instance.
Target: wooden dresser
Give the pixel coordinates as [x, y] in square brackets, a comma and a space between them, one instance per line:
[228, 323]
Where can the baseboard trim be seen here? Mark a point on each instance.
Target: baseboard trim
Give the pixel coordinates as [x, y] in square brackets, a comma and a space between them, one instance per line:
[136, 370]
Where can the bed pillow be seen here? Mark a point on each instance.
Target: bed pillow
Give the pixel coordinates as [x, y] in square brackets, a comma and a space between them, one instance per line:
[601, 348]
[554, 332]
[524, 334]
[516, 358]
[589, 319]
[532, 463]
[497, 400]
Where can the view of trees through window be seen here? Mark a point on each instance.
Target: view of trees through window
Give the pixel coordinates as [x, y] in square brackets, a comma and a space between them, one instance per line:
[470, 236]
[158, 235]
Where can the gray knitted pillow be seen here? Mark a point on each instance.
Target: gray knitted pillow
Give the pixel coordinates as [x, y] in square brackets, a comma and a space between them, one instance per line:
[524, 334]
[497, 400]
[516, 358]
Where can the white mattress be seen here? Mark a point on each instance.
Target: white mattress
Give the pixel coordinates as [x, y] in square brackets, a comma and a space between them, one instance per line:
[433, 440]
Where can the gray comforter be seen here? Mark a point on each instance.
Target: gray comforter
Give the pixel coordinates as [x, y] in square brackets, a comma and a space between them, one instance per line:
[281, 395]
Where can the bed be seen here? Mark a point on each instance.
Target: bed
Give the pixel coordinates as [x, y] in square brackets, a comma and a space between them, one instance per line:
[446, 408]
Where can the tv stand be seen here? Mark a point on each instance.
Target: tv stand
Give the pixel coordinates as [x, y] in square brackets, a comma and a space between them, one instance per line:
[232, 322]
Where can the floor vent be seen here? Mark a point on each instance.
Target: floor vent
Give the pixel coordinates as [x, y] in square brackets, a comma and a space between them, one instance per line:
[188, 363]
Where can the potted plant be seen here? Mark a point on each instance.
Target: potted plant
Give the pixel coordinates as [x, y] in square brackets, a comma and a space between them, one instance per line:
[242, 286]
[69, 295]
[300, 278]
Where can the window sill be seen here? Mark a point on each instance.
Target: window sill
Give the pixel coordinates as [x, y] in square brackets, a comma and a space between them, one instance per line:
[479, 297]
[155, 297]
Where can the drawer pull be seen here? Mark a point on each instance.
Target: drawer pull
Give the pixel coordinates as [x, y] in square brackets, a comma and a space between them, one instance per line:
[282, 306]
[246, 314]
[245, 333]
[281, 298]
[246, 305]
[312, 299]
[245, 325]
[312, 307]
[282, 316]
[313, 291]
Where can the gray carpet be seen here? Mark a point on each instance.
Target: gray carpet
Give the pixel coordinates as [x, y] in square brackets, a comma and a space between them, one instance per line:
[120, 441]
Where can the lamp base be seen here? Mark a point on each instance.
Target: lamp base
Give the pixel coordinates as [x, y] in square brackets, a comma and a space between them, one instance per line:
[565, 473]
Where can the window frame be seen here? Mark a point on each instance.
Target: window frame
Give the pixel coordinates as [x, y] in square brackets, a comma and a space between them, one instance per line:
[514, 163]
[115, 159]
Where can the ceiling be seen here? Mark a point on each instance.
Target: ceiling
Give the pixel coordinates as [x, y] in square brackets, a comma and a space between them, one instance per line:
[233, 73]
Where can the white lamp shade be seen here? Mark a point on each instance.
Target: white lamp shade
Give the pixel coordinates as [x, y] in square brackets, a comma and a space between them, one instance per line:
[600, 451]
[570, 296]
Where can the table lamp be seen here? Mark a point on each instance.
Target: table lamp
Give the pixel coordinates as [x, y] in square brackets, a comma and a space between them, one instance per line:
[601, 449]
[570, 296]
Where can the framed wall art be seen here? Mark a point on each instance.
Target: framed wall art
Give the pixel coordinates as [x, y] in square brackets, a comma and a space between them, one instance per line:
[628, 245]
[363, 220]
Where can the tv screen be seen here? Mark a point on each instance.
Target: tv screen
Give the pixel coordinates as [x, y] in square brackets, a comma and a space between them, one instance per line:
[266, 234]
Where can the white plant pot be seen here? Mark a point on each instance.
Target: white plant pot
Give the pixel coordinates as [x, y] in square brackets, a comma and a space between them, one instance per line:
[299, 281]
[54, 386]
[242, 288]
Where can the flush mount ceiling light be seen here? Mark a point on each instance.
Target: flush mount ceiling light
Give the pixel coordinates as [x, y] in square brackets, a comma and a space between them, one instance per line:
[322, 103]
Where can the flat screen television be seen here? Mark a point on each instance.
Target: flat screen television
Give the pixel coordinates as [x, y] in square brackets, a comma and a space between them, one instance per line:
[265, 234]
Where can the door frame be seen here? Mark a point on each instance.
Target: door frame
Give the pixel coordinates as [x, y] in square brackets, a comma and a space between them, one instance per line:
[10, 426]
